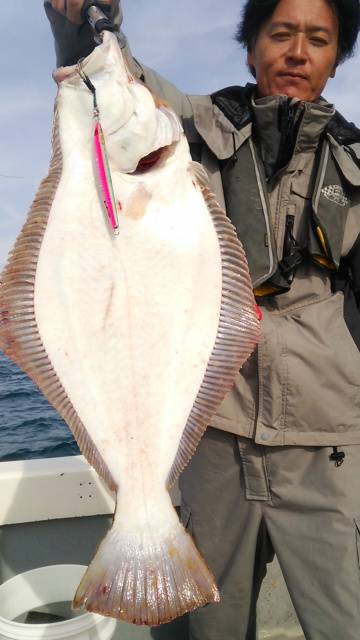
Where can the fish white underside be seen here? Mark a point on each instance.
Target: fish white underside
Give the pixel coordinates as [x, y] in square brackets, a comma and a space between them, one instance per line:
[129, 321]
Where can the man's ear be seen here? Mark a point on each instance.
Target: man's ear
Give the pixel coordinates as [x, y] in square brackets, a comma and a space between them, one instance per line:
[250, 63]
[333, 73]
[250, 58]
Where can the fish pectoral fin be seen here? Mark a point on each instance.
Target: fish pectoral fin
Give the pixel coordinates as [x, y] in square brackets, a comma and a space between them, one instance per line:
[146, 580]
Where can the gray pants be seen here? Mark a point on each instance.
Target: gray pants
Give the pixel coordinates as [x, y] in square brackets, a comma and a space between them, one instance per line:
[242, 502]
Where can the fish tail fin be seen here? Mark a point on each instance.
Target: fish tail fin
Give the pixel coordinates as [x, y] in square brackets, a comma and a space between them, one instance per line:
[147, 579]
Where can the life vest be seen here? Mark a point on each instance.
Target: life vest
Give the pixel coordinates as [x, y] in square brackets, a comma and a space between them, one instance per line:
[245, 188]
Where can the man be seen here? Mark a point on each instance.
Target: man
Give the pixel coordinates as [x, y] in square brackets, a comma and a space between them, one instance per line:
[278, 470]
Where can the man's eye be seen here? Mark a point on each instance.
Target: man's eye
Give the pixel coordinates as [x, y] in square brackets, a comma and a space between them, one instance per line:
[318, 42]
[281, 35]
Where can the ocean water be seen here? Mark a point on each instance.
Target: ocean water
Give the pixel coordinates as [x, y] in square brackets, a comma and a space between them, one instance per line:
[29, 426]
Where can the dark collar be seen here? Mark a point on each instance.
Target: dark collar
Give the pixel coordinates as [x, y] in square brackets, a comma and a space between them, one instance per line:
[235, 103]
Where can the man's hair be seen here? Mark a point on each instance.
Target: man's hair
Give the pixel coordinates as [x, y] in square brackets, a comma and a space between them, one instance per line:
[257, 12]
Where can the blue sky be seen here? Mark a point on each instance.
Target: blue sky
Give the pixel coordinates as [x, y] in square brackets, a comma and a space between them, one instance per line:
[189, 42]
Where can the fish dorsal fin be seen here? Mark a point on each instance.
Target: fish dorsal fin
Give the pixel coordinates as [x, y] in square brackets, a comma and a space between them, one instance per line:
[237, 335]
[19, 335]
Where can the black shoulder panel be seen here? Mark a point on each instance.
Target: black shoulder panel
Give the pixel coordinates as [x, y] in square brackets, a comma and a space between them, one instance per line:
[234, 102]
[344, 132]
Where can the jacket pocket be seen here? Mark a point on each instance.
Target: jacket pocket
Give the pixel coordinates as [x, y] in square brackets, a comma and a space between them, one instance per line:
[324, 369]
[312, 367]
[357, 534]
[302, 187]
[351, 349]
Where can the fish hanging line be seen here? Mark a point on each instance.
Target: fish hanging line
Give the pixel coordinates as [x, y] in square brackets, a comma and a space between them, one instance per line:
[102, 160]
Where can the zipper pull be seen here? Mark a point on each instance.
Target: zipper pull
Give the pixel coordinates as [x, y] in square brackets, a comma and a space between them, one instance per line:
[289, 240]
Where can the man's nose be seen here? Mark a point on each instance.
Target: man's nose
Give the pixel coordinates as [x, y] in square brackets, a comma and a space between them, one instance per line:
[297, 50]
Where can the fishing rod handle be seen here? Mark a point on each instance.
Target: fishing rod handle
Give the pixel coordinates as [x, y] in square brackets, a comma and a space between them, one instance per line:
[97, 19]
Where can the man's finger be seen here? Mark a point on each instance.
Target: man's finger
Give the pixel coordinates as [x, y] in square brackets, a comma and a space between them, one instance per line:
[59, 5]
[72, 8]
[69, 8]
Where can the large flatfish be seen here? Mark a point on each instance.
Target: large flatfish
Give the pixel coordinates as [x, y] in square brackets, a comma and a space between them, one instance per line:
[133, 325]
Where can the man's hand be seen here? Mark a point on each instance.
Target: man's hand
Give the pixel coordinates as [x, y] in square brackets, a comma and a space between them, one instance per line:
[72, 8]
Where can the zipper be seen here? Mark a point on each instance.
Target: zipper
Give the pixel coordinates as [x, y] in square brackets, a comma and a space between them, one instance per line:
[289, 129]
[289, 240]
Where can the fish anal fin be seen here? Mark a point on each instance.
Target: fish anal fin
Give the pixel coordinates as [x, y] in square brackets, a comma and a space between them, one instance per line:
[237, 335]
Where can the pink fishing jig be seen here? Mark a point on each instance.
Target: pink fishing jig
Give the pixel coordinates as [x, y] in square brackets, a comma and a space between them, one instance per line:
[102, 160]
[102, 163]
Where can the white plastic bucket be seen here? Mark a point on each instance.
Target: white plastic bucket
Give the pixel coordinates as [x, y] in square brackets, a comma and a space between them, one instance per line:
[44, 586]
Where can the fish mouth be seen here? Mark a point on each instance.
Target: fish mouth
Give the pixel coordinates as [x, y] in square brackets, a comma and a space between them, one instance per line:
[154, 159]
[149, 161]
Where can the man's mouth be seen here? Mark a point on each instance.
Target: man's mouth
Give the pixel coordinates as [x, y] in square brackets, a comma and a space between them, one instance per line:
[293, 75]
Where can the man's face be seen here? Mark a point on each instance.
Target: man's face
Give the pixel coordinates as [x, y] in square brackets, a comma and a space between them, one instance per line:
[296, 49]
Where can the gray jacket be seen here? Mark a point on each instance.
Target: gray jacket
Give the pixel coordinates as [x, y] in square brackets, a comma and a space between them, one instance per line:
[302, 386]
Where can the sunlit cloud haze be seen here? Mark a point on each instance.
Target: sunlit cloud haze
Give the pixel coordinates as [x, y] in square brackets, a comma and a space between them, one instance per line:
[190, 43]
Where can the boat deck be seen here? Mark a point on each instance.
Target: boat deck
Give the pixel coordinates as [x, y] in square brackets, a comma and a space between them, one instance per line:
[55, 511]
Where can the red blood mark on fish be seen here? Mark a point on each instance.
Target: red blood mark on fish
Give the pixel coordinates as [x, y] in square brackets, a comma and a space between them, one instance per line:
[258, 312]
